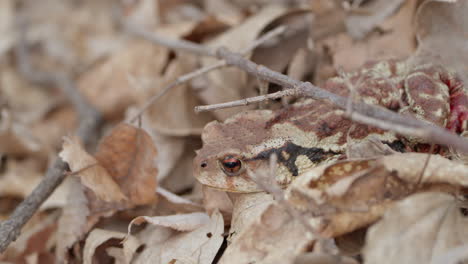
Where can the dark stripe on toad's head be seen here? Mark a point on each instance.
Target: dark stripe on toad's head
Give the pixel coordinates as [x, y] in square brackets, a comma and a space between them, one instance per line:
[288, 154]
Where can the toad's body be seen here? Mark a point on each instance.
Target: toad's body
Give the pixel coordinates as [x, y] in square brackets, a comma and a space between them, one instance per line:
[312, 132]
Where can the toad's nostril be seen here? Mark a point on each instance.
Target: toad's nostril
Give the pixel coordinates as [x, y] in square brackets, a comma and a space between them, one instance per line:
[203, 164]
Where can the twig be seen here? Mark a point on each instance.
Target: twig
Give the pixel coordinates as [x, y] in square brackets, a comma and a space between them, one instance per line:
[194, 74]
[246, 101]
[426, 163]
[90, 121]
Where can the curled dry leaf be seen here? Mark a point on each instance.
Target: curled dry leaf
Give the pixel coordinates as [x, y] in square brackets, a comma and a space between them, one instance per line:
[98, 237]
[128, 155]
[352, 194]
[197, 246]
[123, 172]
[91, 173]
[273, 237]
[180, 222]
[418, 229]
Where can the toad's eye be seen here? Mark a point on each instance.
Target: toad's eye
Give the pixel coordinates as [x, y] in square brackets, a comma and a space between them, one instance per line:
[231, 165]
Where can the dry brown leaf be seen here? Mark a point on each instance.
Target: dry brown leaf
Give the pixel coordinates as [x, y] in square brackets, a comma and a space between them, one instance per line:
[230, 84]
[98, 237]
[442, 28]
[180, 222]
[173, 114]
[75, 215]
[273, 237]
[198, 246]
[128, 154]
[352, 194]
[92, 175]
[418, 229]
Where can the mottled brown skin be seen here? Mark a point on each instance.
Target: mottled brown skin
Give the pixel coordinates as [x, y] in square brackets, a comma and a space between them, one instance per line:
[312, 132]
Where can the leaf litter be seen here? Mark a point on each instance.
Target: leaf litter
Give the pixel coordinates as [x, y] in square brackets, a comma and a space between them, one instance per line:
[378, 206]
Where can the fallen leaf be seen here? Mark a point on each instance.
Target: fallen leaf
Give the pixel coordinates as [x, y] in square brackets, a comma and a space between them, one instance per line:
[173, 115]
[272, 237]
[353, 194]
[98, 237]
[180, 222]
[418, 229]
[128, 154]
[92, 175]
[197, 246]
[75, 215]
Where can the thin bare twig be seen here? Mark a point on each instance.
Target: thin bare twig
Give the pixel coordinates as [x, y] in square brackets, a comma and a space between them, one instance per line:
[194, 74]
[90, 121]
